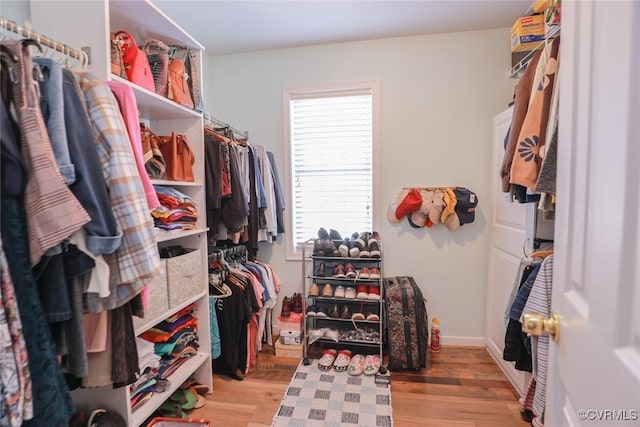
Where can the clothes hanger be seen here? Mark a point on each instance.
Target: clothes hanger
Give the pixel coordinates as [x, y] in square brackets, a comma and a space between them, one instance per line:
[541, 254]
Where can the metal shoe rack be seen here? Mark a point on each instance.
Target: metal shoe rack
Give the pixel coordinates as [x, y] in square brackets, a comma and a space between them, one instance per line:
[345, 327]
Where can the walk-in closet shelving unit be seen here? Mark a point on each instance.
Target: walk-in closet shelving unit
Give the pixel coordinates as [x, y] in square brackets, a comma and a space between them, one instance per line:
[310, 264]
[87, 24]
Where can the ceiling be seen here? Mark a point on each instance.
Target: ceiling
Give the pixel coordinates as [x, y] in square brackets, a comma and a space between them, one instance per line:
[226, 27]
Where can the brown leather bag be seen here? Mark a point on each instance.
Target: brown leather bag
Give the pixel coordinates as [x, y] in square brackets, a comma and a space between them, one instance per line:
[178, 80]
[153, 159]
[178, 157]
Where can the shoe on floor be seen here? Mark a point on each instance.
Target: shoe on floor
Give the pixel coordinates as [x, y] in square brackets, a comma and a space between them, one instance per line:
[356, 366]
[326, 361]
[371, 364]
[342, 361]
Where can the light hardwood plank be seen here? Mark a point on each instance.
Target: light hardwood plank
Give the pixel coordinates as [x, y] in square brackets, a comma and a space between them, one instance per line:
[461, 387]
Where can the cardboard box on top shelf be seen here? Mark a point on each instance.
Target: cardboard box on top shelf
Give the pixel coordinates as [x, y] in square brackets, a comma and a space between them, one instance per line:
[527, 32]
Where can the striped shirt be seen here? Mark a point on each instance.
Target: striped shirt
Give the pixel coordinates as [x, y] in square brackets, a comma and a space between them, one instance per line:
[539, 301]
[137, 257]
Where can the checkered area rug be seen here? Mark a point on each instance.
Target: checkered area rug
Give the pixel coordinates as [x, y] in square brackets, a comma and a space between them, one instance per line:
[317, 398]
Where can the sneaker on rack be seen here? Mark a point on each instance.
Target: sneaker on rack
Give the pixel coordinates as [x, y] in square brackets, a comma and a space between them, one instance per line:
[344, 248]
[345, 313]
[334, 235]
[374, 273]
[323, 234]
[374, 248]
[312, 311]
[320, 270]
[318, 248]
[350, 271]
[339, 293]
[286, 307]
[374, 293]
[327, 291]
[335, 312]
[350, 292]
[363, 292]
[338, 271]
[314, 290]
[322, 312]
[363, 244]
[364, 273]
[354, 250]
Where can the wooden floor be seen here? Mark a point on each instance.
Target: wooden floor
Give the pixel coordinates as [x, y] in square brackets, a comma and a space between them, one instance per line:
[461, 387]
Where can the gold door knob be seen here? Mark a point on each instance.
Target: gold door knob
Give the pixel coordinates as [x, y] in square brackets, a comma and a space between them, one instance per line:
[535, 324]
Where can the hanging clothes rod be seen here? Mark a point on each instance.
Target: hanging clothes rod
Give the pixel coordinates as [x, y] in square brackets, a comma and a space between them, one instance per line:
[212, 121]
[79, 55]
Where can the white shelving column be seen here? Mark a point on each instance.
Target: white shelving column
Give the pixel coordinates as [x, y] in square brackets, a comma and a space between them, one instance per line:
[87, 24]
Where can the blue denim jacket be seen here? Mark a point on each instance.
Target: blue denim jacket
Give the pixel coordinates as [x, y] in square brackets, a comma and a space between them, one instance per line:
[103, 235]
[52, 106]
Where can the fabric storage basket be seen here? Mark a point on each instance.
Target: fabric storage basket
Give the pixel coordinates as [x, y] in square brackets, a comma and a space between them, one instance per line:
[158, 299]
[184, 277]
[178, 422]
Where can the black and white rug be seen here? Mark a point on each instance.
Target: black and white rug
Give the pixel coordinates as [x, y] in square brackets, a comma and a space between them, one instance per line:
[333, 399]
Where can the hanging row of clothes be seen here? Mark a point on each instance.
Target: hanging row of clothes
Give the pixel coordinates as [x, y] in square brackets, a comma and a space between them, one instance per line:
[528, 169]
[245, 200]
[531, 293]
[242, 296]
[78, 241]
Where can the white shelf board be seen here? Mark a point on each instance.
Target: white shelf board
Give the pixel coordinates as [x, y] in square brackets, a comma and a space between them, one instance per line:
[176, 379]
[144, 19]
[163, 236]
[150, 323]
[175, 183]
[157, 107]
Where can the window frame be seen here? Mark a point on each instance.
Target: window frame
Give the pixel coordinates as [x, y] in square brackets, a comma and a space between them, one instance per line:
[372, 87]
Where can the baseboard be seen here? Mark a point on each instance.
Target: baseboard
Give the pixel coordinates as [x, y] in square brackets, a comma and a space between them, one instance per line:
[463, 341]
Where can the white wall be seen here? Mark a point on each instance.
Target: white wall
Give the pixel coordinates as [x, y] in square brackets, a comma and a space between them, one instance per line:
[15, 10]
[438, 96]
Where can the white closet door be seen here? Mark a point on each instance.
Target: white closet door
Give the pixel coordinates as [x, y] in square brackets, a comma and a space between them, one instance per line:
[511, 234]
[594, 370]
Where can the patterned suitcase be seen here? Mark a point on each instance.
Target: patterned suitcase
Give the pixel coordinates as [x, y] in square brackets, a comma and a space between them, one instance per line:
[406, 323]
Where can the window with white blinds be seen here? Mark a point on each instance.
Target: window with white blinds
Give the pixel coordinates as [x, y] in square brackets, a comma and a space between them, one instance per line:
[331, 152]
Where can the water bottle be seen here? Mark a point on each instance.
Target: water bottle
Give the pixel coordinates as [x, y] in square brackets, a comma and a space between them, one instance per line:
[435, 334]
